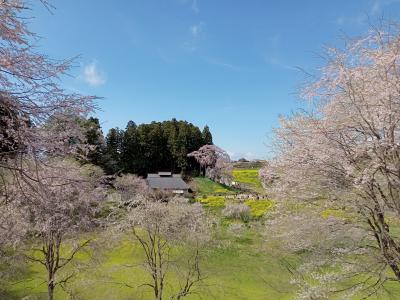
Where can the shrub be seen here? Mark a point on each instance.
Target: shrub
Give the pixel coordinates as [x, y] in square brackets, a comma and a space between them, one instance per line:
[237, 211]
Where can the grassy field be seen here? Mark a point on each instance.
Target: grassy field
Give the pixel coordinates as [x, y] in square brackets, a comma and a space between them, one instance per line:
[236, 268]
[248, 177]
[238, 264]
[205, 186]
[258, 208]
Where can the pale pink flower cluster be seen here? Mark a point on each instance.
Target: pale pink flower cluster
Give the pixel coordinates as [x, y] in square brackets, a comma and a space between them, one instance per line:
[345, 148]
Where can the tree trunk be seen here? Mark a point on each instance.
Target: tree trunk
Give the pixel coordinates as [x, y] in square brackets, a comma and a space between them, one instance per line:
[50, 291]
[390, 249]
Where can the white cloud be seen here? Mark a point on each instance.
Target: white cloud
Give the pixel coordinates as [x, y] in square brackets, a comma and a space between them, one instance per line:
[93, 76]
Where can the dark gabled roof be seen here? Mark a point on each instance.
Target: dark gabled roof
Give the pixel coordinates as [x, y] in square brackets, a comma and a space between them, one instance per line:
[167, 183]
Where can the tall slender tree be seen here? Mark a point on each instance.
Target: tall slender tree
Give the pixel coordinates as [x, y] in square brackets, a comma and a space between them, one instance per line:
[207, 136]
[112, 157]
[94, 139]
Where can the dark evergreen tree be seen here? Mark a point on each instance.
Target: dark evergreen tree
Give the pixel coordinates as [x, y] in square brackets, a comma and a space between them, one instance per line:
[158, 146]
[131, 124]
[130, 148]
[207, 136]
[95, 138]
[112, 156]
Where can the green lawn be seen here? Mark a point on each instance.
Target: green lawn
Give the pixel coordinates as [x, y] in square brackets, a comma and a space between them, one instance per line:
[239, 266]
[236, 268]
[205, 186]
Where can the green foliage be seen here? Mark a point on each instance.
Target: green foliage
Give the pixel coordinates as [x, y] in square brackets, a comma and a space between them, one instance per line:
[145, 148]
[160, 146]
[259, 207]
[94, 137]
[207, 136]
[112, 159]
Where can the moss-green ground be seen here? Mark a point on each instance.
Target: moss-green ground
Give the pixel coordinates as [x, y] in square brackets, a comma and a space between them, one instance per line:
[205, 186]
[238, 265]
[236, 268]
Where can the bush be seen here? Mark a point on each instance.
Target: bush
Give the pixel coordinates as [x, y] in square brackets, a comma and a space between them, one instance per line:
[237, 211]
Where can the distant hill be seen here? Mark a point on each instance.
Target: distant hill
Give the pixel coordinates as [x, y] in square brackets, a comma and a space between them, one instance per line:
[254, 164]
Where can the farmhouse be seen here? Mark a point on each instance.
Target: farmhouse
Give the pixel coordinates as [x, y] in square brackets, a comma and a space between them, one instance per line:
[167, 181]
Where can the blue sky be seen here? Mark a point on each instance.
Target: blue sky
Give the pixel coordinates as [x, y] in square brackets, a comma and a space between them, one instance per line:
[228, 64]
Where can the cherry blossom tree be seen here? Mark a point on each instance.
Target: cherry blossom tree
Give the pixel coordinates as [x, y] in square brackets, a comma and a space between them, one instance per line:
[345, 149]
[38, 118]
[61, 200]
[131, 189]
[213, 161]
[162, 227]
[36, 113]
[325, 251]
